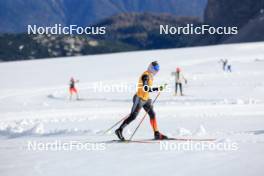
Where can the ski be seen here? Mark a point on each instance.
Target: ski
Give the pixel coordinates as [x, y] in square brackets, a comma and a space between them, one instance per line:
[192, 139]
[176, 139]
[134, 141]
[158, 141]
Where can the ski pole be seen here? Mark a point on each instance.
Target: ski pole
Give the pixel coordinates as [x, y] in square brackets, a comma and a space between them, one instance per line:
[106, 131]
[143, 118]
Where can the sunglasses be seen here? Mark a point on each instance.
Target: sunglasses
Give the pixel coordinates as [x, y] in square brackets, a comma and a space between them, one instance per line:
[156, 67]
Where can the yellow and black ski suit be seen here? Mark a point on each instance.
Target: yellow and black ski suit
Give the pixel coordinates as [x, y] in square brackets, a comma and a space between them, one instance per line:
[141, 99]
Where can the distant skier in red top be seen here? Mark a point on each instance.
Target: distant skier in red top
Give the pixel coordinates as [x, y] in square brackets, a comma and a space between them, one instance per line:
[72, 88]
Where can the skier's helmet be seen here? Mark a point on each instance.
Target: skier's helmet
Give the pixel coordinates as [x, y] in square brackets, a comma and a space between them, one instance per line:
[154, 67]
[72, 79]
[178, 69]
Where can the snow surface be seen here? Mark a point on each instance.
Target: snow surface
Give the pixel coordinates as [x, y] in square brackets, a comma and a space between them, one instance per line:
[34, 106]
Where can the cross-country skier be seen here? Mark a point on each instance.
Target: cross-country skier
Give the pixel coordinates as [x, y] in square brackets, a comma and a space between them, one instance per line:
[72, 88]
[179, 79]
[229, 67]
[142, 99]
[224, 63]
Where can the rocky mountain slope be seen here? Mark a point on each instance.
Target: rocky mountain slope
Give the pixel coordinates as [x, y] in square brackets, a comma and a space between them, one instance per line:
[15, 15]
[248, 15]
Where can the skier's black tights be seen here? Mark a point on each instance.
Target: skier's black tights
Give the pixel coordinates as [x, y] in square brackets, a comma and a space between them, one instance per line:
[137, 105]
[176, 87]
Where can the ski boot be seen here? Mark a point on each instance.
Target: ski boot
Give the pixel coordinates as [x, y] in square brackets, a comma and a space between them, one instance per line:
[119, 134]
[159, 136]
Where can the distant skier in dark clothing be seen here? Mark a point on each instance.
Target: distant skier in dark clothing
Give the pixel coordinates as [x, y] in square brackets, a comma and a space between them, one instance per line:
[179, 79]
[142, 99]
[229, 67]
[224, 63]
[72, 88]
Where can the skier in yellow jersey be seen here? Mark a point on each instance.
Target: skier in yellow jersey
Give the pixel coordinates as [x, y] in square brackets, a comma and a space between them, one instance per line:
[142, 99]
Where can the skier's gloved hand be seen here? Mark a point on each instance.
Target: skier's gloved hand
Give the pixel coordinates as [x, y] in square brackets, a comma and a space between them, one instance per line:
[161, 88]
